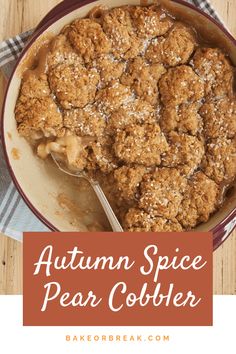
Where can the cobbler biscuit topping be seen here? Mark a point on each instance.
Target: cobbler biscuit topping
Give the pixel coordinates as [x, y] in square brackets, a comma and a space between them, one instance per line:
[219, 162]
[117, 25]
[174, 49]
[214, 68]
[183, 119]
[128, 180]
[88, 39]
[219, 118]
[36, 112]
[185, 153]
[180, 85]
[137, 220]
[135, 98]
[199, 200]
[143, 78]
[140, 144]
[162, 192]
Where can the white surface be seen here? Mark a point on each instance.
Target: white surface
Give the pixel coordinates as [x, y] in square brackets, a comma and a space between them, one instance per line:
[195, 340]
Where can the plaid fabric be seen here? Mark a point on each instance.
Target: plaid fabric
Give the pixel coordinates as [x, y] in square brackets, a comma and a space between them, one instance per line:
[15, 216]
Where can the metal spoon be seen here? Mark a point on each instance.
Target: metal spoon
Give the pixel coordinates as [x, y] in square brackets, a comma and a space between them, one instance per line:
[97, 189]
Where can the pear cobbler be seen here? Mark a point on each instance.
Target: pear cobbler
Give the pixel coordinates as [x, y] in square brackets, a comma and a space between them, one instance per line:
[133, 97]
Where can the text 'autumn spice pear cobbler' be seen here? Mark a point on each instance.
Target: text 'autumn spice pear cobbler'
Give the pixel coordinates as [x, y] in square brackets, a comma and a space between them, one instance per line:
[133, 97]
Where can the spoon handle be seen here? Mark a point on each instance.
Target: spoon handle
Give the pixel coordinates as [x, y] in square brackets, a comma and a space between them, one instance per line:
[116, 227]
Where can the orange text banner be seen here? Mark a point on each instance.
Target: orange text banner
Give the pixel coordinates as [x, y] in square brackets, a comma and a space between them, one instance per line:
[118, 279]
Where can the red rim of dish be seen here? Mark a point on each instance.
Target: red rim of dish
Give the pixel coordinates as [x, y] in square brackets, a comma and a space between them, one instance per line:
[55, 14]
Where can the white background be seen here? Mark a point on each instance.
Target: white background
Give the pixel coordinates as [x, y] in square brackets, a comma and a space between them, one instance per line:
[221, 338]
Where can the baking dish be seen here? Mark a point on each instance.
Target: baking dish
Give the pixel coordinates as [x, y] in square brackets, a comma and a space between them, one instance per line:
[40, 184]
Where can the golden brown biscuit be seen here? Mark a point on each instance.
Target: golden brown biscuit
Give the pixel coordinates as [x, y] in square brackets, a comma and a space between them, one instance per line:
[140, 144]
[113, 97]
[137, 220]
[137, 112]
[73, 85]
[219, 118]
[36, 112]
[143, 79]
[185, 153]
[212, 65]
[180, 85]
[162, 192]
[85, 122]
[219, 163]
[183, 118]
[88, 38]
[128, 180]
[118, 27]
[200, 200]
[174, 49]
[150, 22]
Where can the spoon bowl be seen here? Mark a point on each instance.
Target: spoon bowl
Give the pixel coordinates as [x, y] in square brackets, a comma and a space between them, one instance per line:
[114, 222]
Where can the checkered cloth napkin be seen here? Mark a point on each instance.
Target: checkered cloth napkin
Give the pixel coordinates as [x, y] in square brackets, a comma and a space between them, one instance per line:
[15, 216]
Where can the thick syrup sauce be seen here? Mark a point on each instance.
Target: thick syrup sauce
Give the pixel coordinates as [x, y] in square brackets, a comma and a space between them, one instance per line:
[41, 64]
[35, 58]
